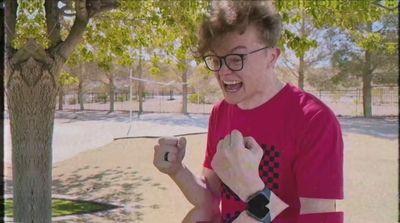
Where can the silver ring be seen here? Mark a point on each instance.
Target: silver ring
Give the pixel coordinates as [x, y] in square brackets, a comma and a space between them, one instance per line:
[166, 156]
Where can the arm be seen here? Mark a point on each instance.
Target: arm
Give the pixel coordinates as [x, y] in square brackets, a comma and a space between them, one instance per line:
[311, 210]
[202, 192]
[319, 169]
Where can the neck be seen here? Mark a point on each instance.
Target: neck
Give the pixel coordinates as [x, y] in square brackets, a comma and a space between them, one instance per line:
[265, 96]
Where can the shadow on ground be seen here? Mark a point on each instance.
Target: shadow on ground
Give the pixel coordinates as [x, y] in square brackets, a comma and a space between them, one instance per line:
[386, 128]
[105, 186]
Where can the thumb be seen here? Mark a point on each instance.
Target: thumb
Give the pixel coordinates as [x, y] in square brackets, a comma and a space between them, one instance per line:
[181, 147]
[181, 143]
[251, 144]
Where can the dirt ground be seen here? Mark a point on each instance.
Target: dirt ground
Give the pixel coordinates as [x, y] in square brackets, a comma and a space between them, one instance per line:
[122, 173]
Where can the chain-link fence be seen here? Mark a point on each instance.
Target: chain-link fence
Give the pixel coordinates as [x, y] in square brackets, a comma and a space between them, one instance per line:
[385, 101]
[342, 102]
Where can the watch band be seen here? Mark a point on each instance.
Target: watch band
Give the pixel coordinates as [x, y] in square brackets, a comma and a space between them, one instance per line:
[257, 206]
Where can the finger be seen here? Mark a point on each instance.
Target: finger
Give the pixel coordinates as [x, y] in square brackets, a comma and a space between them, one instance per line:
[251, 144]
[181, 143]
[226, 143]
[161, 151]
[168, 141]
[166, 148]
[164, 165]
[170, 157]
[236, 139]
[181, 148]
[220, 144]
[166, 156]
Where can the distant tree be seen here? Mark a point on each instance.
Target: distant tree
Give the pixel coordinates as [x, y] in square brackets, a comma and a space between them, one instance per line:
[370, 55]
[66, 79]
[355, 18]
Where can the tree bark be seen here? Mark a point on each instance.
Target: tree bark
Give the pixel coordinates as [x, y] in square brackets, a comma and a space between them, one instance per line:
[111, 91]
[184, 92]
[301, 58]
[301, 72]
[367, 80]
[367, 86]
[80, 95]
[31, 94]
[140, 87]
[60, 98]
[31, 75]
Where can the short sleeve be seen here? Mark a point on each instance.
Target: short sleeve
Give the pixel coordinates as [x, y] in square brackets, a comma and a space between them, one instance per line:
[319, 162]
[211, 147]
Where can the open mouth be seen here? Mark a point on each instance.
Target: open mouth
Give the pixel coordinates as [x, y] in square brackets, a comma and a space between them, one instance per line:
[232, 86]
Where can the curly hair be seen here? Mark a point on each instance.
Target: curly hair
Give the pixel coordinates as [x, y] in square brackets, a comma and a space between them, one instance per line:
[231, 15]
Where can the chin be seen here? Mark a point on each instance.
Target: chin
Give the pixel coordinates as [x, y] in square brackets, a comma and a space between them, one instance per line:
[231, 100]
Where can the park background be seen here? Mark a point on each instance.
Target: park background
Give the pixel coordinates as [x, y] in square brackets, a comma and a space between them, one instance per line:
[136, 60]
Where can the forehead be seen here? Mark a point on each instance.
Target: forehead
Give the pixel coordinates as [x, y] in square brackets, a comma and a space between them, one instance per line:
[231, 41]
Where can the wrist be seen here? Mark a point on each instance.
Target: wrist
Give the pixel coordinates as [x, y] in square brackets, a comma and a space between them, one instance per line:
[178, 172]
[245, 218]
[251, 189]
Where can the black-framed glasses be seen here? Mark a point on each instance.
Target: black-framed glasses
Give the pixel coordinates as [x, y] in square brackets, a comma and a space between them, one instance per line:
[233, 61]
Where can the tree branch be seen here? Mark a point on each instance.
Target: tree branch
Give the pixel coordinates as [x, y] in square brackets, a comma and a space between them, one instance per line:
[31, 49]
[53, 22]
[85, 9]
[10, 21]
[96, 7]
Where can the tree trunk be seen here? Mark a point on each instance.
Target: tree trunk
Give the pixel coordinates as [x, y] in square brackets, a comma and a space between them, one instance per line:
[140, 87]
[301, 57]
[31, 87]
[367, 88]
[184, 92]
[60, 98]
[111, 92]
[301, 72]
[80, 95]
[31, 93]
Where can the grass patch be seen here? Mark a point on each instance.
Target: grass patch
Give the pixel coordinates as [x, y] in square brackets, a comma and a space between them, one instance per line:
[63, 207]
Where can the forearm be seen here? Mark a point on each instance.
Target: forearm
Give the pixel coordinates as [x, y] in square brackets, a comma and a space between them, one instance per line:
[331, 217]
[195, 189]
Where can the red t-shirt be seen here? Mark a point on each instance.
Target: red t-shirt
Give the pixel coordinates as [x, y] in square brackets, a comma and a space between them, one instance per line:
[302, 143]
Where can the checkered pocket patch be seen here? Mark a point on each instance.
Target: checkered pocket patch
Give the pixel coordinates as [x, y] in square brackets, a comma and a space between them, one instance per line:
[269, 167]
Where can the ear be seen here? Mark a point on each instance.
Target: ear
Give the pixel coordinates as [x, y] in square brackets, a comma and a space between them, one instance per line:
[275, 53]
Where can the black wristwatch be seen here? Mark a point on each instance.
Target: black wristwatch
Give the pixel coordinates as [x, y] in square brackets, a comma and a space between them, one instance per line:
[257, 206]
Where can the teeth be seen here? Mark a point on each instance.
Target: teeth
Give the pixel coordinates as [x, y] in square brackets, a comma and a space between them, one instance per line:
[231, 82]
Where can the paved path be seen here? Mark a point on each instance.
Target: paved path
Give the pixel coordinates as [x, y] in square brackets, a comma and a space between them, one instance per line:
[76, 132]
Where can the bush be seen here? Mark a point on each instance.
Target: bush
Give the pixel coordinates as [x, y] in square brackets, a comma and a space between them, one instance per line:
[197, 98]
[120, 98]
[72, 101]
[101, 98]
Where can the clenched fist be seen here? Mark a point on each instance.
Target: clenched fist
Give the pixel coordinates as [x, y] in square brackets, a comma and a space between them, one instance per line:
[236, 163]
[168, 154]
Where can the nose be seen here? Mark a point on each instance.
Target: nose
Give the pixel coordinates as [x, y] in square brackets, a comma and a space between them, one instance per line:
[224, 69]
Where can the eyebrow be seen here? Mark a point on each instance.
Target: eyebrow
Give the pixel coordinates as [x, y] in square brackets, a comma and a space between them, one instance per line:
[232, 50]
[238, 47]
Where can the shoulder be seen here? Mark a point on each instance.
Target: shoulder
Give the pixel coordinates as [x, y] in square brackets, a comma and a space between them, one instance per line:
[307, 105]
[219, 108]
[308, 113]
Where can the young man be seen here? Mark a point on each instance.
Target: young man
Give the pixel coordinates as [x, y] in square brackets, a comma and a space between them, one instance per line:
[274, 152]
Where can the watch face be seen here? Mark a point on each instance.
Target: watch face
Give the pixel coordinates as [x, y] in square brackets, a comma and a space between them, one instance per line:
[257, 206]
